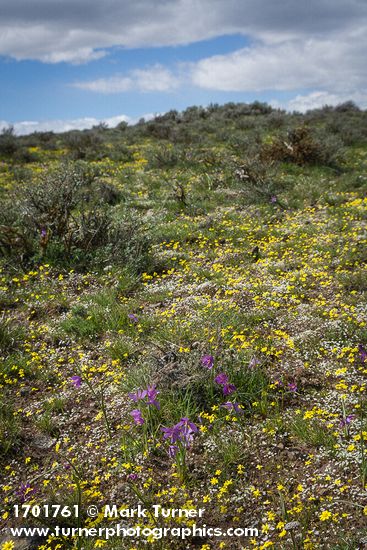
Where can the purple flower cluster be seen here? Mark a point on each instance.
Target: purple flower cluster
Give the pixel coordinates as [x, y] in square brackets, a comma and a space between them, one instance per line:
[292, 386]
[362, 353]
[138, 419]
[76, 380]
[347, 420]
[182, 433]
[207, 361]
[234, 407]
[222, 380]
[151, 394]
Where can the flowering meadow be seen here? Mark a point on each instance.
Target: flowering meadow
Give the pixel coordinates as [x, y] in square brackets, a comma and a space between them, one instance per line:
[184, 324]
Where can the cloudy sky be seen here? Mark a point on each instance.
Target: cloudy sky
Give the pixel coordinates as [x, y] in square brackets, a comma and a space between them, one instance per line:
[72, 63]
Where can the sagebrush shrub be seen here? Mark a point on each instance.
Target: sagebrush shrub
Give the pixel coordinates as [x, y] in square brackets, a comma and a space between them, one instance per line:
[258, 178]
[68, 215]
[301, 146]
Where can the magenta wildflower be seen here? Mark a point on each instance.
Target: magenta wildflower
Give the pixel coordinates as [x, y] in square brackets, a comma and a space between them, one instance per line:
[362, 353]
[76, 380]
[136, 414]
[181, 432]
[221, 378]
[187, 430]
[233, 407]
[292, 386]
[133, 317]
[173, 433]
[151, 393]
[347, 420]
[138, 395]
[172, 451]
[228, 389]
[253, 362]
[273, 199]
[207, 361]
[132, 477]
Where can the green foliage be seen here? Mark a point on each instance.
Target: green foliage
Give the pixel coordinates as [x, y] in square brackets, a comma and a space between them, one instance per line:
[11, 335]
[9, 427]
[85, 145]
[100, 313]
[258, 180]
[312, 432]
[55, 405]
[68, 217]
[45, 423]
[229, 451]
[301, 146]
[8, 142]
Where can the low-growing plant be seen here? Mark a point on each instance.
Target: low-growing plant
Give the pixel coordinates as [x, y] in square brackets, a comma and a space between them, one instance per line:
[10, 334]
[165, 157]
[47, 424]
[9, 427]
[312, 432]
[230, 451]
[55, 405]
[258, 179]
[302, 146]
[102, 312]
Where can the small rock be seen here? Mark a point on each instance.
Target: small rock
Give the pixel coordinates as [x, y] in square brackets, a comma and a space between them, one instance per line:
[43, 442]
[292, 525]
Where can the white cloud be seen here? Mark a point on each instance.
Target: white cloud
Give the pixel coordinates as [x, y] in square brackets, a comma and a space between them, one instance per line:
[112, 85]
[29, 126]
[318, 99]
[47, 44]
[334, 66]
[336, 63]
[77, 31]
[152, 79]
[75, 57]
[80, 30]
[155, 79]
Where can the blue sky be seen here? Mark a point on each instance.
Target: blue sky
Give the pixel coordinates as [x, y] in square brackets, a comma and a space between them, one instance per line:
[74, 63]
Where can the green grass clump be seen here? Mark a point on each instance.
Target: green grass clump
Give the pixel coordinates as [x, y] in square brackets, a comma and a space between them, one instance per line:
[10, 434]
